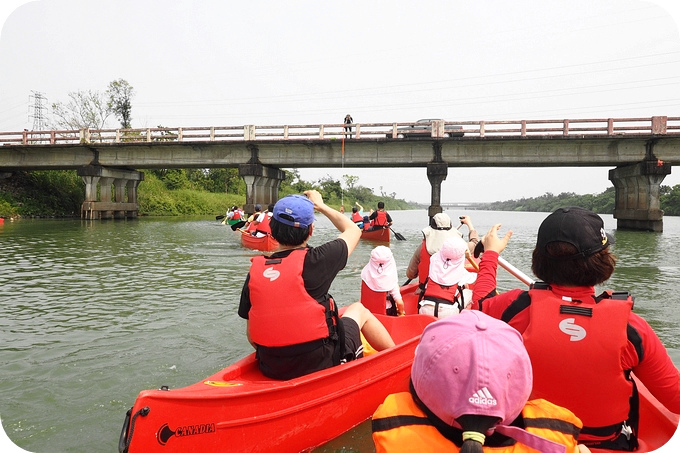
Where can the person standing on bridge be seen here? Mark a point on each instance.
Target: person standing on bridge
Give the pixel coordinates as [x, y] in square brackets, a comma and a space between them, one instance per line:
[293, 322]
[583, 346]
[348, 127]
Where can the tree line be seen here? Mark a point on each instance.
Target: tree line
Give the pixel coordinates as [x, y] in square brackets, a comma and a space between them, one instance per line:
[602, 203]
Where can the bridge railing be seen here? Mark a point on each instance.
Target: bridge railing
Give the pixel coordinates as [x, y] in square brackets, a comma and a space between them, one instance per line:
[577, 128]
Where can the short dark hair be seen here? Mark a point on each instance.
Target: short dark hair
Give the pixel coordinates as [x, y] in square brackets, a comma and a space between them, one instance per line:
[354, 209]
[288, 235]
[551, 267]
[381, 205]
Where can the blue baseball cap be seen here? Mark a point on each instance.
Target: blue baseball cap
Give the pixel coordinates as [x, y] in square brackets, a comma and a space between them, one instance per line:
[294, 210]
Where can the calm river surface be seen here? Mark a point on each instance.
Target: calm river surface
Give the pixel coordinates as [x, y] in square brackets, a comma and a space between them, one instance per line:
[94, 312]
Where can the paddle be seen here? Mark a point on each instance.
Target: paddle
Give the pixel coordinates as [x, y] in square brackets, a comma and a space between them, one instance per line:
[518, 274]
[219, 217]
[237, 225]
[398, 235]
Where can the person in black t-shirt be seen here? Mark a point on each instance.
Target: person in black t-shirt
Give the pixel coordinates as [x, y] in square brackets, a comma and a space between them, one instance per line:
[289, 310]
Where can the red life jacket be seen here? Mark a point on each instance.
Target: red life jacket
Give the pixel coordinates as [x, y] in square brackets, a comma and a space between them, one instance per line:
[264, 227]
[423, 265]
[251, 225]
[357, 218]
[236, 215]
[300, 319]
[575, 350]
[375, 301]
[380, 219]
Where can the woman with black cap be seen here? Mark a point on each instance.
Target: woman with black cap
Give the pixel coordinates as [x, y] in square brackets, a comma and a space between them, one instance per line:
[583, 346]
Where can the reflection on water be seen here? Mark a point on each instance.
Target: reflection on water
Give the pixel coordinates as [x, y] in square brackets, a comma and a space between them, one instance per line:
[94, 312]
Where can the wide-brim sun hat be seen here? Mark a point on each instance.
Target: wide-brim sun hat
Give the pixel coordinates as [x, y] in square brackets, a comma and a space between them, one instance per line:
[437, 234]
[380, 273]
[447, 266]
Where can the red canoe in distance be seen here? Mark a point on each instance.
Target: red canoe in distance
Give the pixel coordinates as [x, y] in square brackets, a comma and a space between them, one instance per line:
[240, 410]
[378, 235]
[264, 243]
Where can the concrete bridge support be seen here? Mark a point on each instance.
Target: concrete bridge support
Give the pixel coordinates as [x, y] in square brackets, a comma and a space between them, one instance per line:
[637, 195]
[436, 174]
[262, 185]
[101, 202]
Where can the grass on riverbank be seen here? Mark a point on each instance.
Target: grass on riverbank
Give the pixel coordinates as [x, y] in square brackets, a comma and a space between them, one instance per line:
[61, 194]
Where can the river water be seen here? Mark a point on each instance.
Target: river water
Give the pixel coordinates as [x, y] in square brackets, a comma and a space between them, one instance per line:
[93, 312]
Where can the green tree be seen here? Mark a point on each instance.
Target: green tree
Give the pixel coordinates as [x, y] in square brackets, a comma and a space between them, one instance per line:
[670, 200]
[120, 94]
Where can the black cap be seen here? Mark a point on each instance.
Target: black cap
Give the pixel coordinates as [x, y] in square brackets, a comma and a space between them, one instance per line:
[576, 226]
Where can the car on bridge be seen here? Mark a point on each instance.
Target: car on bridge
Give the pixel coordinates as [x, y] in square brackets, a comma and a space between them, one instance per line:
[423, 129]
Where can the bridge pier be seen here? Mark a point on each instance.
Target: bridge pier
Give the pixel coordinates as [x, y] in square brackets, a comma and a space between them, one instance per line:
[436, 174]
[109, 204]
[262, 184]
[637, 205]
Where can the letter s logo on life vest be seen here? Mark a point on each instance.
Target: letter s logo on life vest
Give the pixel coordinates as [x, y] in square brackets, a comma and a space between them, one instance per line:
[271, 273]
[576, 332]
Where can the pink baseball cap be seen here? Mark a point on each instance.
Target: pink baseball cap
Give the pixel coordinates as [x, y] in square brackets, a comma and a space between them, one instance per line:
[473, 364]
[447, 266]
[380, 274]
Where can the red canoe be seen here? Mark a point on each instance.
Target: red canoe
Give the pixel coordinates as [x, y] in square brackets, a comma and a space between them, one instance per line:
[240, 410]
[379, 235]
[265, 243]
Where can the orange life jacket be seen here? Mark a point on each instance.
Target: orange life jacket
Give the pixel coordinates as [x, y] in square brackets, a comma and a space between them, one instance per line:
[300, 319]
[399, 425]
[575, 350]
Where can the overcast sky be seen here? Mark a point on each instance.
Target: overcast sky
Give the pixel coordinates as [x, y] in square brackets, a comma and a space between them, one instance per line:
[218, 63]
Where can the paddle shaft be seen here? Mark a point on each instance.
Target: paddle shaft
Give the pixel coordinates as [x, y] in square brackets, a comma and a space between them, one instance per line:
[398, 235]
[521, 276]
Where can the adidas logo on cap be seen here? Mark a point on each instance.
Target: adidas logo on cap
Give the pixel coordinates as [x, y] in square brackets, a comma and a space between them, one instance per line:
[483, 397]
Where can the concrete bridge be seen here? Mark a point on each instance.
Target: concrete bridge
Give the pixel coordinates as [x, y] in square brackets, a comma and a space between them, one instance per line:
[641, 152]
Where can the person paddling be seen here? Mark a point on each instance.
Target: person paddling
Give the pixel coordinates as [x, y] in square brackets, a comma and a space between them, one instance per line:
[585, 347]
[447, 291]
[293, 321]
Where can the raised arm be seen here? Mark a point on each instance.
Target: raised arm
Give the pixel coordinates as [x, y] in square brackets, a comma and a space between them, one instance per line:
[348, 230]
